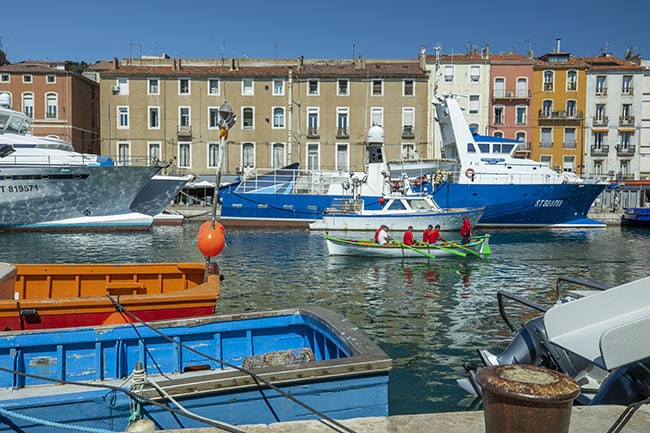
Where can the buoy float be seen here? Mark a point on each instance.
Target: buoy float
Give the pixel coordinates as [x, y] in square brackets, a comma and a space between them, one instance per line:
[211, 238]
[469, 173]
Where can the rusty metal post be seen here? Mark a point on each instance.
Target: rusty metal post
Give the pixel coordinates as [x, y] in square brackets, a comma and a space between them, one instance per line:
[526, 399]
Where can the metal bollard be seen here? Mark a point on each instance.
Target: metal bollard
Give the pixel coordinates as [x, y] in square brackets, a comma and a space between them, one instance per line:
[526, 399]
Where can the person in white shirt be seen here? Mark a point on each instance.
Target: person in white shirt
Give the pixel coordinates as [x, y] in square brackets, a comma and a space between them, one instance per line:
[382, 236]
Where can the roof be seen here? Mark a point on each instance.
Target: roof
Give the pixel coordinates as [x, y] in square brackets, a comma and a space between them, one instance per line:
[607, 62]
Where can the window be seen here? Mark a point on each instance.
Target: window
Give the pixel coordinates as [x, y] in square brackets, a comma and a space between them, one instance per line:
[625, 139]
[153, 152]
[474, 73]
[342, 114]
[599, 140]
[342, 158]
[499, 87]
[278, 117]
[313, 88]
[184, 154]
[278, 86]
[51, 105]
[409, 88]
[154, 118]
[627, 85]
[278, 155]
[213, 117]
[521, 136]
[569, 138]
[213, 86]
[28, 104]
[546, 159]
[313, 157]
[571, 81]
[247, 87]
[50, 79]
[343, 87]
[449, 73]
[601, 88]
[183, 86]
[548, 81]
[568, 163]
[213, 154]
[248, 116]
[27, 78]
[499, 117]
[473, 104]
[123, 153]
[571, 110]
[5, 78]
[248, 155]
[184, 116]
[408, 151]
[547, 108]
[546, 138]
[377, 87]
[600, 113]
[122, 117]
[522, 88]
[312, 121]
[377, 116]
[521, 114]
[123, 86]
[153, 87]
[598, 168]
[408, 121]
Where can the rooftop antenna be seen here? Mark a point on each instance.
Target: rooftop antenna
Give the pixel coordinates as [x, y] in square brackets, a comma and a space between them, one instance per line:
[354, 51]
[276, 52]
[606, 46]
[131, 44]
[223, 52]
[437, 49]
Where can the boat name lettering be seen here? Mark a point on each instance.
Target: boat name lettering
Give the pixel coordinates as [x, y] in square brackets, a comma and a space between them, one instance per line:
[549, 203]
[18, 188]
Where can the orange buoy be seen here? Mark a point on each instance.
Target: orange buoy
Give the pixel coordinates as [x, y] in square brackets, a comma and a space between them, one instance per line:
[211, 238]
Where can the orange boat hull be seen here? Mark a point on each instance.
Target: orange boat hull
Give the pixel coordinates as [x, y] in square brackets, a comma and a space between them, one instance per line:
[40, 296]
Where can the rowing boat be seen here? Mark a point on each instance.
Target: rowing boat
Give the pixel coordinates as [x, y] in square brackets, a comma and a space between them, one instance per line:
[478, 246]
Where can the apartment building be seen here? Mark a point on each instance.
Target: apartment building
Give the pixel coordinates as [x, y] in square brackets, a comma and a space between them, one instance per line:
[559, 98]
[64, 104]
[315, 112]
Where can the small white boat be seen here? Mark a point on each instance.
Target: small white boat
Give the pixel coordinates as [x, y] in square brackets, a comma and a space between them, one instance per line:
[478, 246]
[397, 212]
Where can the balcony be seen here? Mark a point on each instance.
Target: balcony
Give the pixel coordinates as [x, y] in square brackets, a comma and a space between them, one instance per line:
[546, 144]
[623, 150]
[573, 116]
[626, 121]
[600, 120]
[407, 131]
[602, 150]
[511, 95]
[184, 130]
[313, 133]
[601, 91]
[342, 133]
[627, 91]
[572, 144]
[548, 87]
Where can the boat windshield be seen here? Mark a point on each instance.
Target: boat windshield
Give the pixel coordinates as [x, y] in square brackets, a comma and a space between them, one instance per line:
[419, 204]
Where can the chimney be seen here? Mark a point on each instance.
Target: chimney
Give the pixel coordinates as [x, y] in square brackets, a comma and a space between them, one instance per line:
[486, 52]
[116, 64]
[557, 45]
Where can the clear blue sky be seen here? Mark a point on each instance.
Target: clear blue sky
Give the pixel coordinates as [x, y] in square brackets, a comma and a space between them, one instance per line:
[91, 30]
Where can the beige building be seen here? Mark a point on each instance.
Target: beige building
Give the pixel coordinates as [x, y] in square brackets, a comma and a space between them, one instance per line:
[315, 112]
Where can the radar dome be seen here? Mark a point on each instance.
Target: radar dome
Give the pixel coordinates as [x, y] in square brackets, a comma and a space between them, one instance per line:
[376, 134]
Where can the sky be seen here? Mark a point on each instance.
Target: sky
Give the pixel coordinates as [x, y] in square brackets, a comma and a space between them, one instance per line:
[91, 31]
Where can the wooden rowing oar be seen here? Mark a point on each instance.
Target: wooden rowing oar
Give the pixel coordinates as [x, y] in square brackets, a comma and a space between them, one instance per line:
[424, 253]
[458, 253]
[469, 250]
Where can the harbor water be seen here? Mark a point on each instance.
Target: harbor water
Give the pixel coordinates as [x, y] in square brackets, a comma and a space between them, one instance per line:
[429, 316]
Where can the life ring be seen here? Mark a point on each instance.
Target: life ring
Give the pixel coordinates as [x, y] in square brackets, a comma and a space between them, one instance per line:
[469, 173]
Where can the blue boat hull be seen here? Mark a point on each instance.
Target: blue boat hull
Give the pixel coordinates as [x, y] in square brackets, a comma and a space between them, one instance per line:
[557, 205]
[636, 217]
[79, 376]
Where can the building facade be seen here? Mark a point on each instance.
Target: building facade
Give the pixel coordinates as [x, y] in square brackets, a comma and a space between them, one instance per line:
[316, 113]
[64, 104]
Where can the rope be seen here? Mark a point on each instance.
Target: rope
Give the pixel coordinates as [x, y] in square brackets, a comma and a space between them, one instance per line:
[12, 414]
[256, 377]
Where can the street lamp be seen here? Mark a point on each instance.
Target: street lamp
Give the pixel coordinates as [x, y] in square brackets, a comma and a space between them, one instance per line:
[227, 119]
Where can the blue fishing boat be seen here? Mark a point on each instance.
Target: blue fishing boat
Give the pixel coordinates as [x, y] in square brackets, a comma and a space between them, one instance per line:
[636, 216]
[475, 171]
[265, 367]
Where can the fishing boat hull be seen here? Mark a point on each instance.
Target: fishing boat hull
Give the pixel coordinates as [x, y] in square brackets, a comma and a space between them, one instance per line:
[203, 364]
[46, 296]
[65, 197]
[636, 217]
[479, 245]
